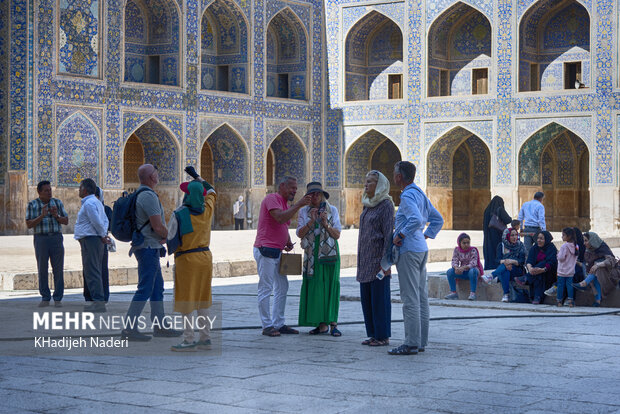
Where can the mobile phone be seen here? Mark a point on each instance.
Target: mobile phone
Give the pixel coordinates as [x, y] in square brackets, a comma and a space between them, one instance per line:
[322, 207]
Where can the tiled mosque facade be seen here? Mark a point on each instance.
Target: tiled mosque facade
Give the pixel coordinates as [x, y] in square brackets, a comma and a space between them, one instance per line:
[486, 97]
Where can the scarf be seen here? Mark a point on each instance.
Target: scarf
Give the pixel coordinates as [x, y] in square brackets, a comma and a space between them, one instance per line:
[382, 192]
[458, 246]
[193, 205]
[512, 250]
[327, 248]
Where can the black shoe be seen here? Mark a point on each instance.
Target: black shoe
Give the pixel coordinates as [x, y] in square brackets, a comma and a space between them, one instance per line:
[166, 333]
[96, 307]
[43, 304]
[134, 335]
[403, 350]
[57, 304]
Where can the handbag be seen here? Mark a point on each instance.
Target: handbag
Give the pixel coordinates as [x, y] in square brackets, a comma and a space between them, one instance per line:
[496, 223]
[290, 264]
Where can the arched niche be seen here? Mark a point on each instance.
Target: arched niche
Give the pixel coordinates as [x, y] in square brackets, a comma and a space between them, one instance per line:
[152, 42]
[133, 158]
[224, 48]
[289, 158]
[286, 57]
[225, 161]
[556, 161]
[374, 59]
[458, 183]
[554, 47]
[459, 52]
[159, 147]
[78, 151]
[371, 151]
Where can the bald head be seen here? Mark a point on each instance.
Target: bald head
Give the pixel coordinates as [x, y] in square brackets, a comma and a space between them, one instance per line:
[147, 174]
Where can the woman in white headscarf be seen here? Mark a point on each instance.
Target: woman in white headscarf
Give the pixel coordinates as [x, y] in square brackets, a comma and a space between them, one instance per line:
[239, 213]
[375, 235]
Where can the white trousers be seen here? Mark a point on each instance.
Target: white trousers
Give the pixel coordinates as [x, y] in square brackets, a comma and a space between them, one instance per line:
[204, 327]
[270, 280]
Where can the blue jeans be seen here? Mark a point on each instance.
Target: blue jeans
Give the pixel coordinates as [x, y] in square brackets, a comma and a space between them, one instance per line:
[150, 286]
[592, 278]
[505, 276]
[471, 274]
[568, 282]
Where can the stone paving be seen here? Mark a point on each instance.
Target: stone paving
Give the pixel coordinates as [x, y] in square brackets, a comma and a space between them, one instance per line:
[543, 359]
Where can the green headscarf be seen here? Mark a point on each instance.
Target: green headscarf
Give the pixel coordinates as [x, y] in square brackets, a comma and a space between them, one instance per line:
[195, 200]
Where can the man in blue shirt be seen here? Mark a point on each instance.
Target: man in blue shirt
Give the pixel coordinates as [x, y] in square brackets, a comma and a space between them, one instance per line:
[414, 211]
[532, 218]
[91, 230]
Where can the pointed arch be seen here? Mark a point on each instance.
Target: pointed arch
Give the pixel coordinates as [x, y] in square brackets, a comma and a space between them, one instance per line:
[224, 31]
[459, 52]
[290, 156]
[286, 56]
[152, 42]
[230, 156]
[78, 150]
[374, 59]
[161, 148]
[554, 46]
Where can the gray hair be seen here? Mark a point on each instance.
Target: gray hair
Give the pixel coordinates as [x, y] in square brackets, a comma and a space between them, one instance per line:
[406, 169]
[285, 179]
[374, 173]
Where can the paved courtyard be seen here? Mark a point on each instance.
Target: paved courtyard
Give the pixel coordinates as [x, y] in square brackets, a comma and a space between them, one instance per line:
[515, 359]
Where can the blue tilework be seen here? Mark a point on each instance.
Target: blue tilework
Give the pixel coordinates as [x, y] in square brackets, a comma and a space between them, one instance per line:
[289, 157]
[230, 158]
[79, 44]
[4, 43]
[78, 151]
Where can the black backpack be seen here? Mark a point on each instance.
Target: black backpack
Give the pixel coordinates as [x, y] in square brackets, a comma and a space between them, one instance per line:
[124, 222]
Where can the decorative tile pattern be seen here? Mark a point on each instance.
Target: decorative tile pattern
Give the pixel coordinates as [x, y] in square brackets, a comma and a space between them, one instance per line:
[435, 130]
[4, 133]
[160, 149]
[230, 158]
[78, 37]
[78, 151]
[289, 157]
[434, 9]
[524, 128]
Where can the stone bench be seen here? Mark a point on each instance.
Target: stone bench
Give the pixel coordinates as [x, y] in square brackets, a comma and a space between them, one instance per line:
[438, 287]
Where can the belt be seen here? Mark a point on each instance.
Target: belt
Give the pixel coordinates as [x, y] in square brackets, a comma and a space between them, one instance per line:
[47, 234]
[196, 250]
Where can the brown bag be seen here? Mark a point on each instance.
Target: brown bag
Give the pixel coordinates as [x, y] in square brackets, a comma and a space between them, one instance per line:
[290, 264]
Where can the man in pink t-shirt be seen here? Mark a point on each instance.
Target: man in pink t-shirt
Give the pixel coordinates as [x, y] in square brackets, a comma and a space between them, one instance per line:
[271, 238]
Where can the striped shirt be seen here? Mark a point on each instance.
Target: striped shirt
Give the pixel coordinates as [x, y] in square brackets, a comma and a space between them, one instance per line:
[49, 224]
[376, 226]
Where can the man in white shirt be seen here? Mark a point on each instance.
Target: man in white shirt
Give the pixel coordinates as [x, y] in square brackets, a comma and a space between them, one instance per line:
[91, 231]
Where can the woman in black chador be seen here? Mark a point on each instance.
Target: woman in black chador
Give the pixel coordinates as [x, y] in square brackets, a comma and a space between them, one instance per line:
[493, 236]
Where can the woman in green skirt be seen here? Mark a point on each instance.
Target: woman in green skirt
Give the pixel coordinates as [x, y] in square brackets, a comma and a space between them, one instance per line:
[318, 227]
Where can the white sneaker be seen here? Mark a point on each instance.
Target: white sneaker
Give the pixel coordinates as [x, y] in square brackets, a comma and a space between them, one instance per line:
[552, 291]
[505, 298]
[487, 279]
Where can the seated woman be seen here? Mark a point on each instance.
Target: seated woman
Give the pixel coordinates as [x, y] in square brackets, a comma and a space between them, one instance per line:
[512, 253]
[541, 265]
[465, 265]
[601, 267]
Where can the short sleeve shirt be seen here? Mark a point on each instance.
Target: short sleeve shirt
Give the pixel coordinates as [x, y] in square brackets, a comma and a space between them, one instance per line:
[49, 224]
[148, 205]
[270, 233]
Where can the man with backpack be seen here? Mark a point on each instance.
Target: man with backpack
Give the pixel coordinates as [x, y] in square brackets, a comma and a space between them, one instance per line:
[150, 222]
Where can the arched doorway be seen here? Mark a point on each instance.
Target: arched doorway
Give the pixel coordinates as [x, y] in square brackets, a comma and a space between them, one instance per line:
[289, 159]
[459, 166]
[224, 158]
[371, 151]
[287, 57]
[224, 44]
[133, 158]
[556, 160]
[374, 59]
[459, 52]
[152, 42]
[554, 46]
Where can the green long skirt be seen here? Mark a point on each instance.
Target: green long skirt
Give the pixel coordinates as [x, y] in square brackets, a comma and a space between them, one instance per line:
[320, 296]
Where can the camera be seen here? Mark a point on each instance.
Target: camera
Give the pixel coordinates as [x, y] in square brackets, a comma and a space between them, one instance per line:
[322, 207]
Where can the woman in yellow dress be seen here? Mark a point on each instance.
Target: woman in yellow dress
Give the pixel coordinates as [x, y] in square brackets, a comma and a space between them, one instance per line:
[193, 262]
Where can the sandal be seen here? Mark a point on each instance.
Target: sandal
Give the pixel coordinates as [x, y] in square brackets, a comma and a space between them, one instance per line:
[271, 331]
[335, 331]
[379, 342]
[368, 341]
[318, 331]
